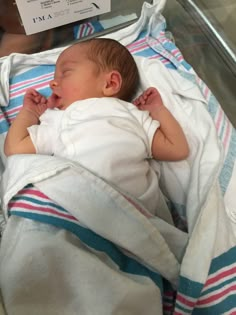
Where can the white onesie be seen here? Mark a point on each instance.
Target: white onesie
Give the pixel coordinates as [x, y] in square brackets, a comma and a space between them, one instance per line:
[110, 137]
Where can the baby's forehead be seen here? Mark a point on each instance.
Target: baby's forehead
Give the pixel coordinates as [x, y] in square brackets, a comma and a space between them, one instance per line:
[74, 53]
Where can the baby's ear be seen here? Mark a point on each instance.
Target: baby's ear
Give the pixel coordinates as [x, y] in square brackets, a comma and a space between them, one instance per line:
[113, 82]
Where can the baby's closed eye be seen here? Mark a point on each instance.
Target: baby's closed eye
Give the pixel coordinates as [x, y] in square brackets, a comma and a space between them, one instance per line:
[66, 71]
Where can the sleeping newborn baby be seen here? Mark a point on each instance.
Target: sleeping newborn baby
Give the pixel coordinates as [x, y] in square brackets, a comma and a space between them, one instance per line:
[89, 119]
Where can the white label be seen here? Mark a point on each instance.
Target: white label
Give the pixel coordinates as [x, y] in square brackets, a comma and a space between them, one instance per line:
[41, 15]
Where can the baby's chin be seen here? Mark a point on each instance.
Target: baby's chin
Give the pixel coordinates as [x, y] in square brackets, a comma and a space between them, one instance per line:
[61, 103]
[62, 107]
[58, 103]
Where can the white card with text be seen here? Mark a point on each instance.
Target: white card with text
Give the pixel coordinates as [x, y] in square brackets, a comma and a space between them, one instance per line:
[41, 15]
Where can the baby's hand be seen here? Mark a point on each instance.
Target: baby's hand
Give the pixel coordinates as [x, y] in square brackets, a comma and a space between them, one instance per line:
[149, 100]
[35, 102]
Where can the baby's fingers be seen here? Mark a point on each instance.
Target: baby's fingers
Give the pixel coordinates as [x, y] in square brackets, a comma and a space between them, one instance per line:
[142, 99]
[39, 98]
[136, 102]
[31, 92]
[43, 99]
[148, 92]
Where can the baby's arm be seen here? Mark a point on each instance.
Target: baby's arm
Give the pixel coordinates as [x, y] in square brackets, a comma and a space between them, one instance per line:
[169, 142]
[18, 140]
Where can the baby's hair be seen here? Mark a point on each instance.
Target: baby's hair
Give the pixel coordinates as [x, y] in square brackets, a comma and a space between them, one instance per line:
[109, 54]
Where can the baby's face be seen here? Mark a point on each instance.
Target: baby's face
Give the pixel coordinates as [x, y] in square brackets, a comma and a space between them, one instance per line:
[76, 78]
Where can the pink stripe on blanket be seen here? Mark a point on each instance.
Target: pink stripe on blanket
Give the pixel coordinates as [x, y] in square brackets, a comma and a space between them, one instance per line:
[81, 31]
[138, 49]
[137, 43]
[215, 298]
[90, 28]
[177, 54]
[206, 92]
[25, 82]
[219, 276]
[27, 206]
[34, 192]
[23, 90]
[185, 300]
[13, 110]
[136, 46]
[228, 131]
[219, 119]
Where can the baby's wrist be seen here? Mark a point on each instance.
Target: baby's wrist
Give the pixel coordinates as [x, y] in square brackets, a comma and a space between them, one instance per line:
[28, 113]
[156, 111]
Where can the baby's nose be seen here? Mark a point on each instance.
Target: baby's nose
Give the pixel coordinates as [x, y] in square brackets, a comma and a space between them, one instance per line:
[53, 84]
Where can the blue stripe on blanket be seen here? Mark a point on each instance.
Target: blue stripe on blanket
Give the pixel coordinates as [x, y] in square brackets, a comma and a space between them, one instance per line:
[93, 240]
[211, 106]
[32, 73]
[188, 293]
[227, 169]
[222, 261]
[4, 126]
[189, 288]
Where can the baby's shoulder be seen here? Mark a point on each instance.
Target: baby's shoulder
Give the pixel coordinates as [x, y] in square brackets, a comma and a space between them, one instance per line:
[116, 102]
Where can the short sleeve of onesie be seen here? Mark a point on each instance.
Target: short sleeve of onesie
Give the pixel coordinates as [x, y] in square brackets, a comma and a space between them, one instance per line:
[45, 135]
[148, 124]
